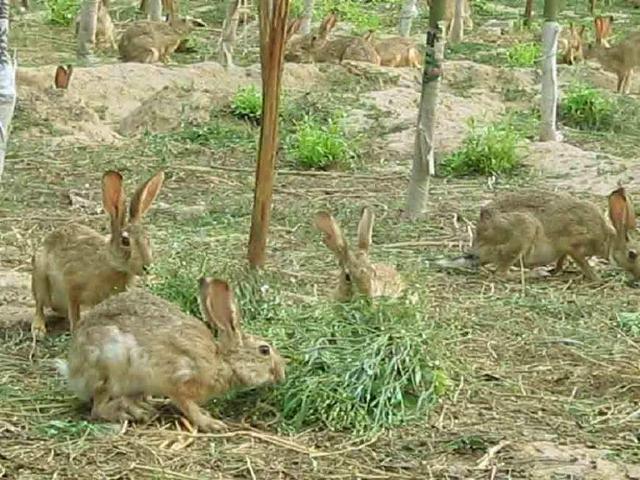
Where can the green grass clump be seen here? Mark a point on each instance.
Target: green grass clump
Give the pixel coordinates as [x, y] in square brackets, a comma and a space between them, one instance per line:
[361, 368]
[62, 12]
[587, 108]
[629, 322]
[320, 145]
[485, 151]
[247, 104]
[356, 367]
[523, 55]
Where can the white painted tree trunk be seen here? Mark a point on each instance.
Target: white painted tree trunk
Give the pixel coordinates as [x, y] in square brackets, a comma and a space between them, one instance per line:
[154, 9]
[229, 30]
[87, 28]
[423, 160]
[8, 67]
[457, 27]
[407, 14]
[307, 17]
[549, 100]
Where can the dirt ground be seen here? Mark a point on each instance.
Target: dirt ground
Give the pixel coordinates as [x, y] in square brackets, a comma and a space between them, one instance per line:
[546, 383]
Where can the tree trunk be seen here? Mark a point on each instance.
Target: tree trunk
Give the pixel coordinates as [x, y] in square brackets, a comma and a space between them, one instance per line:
[307, 16]
[229, 30]
[528, 12]
[423, 161]
[87, 28]
[549, 99]
[273, 26]
[457, 28]
[8, 69]
[407, 14]
[154, 10]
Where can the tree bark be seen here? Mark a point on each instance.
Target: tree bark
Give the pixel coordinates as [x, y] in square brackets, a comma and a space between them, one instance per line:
[549, 97]
[8, 95]
[87, 28]
[307, 17]
[229, 31]
[423, 161]
[457, 27]
[407, 14]
[528, 12]
[273, 26]
[154, 10]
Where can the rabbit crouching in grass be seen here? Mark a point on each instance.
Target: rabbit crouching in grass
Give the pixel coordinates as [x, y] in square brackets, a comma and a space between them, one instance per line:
[539, 228]
[318, 47]
[76, 266]
[136, 344]
[358, 275]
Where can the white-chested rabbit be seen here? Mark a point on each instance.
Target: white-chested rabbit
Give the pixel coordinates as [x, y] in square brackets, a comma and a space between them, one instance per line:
[357, 273]
[135, 345]
[76, 266]
[543, 227]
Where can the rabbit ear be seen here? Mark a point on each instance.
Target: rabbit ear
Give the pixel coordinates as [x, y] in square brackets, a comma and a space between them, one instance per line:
[333, 237]
[328, 24]
[621, 212]
[218, 307]
[365, 229]
[113, 200]
[144, 196]
[293, 28]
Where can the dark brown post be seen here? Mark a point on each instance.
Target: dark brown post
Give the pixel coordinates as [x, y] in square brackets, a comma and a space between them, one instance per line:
[273, 23]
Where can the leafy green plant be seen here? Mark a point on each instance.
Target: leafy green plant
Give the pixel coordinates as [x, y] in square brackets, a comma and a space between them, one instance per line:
[320, 146]
[247, 104]
[485, 151]
[586, 108]
[523, 55]
[629, 322]
[62, 12]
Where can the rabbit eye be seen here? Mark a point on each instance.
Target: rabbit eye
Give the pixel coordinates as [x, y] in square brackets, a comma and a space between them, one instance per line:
[124, 240]
[632, 254]
[264, 350]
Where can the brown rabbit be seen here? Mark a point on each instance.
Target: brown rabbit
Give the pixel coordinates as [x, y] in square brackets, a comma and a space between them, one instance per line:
[540, 227]
[358, 274]
[397, 52]
[149, 41]
[570, 45]
[136, 344]
[620, 59]
[76, 266]
[105, 31]
[317, 47]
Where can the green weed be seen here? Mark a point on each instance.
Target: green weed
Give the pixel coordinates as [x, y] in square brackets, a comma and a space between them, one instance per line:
[523, 55]
[485, 151]
[247, 104]
[586, 108]
[321, 146]
[62, 12]
[629, 322]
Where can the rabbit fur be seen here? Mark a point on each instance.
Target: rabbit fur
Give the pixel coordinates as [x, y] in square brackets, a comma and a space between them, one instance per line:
[76, 266]
[317, 47]
[540, 227]
[620, 59]
[357, 273]
[136, 345]
[570, 45]
[148, 41]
